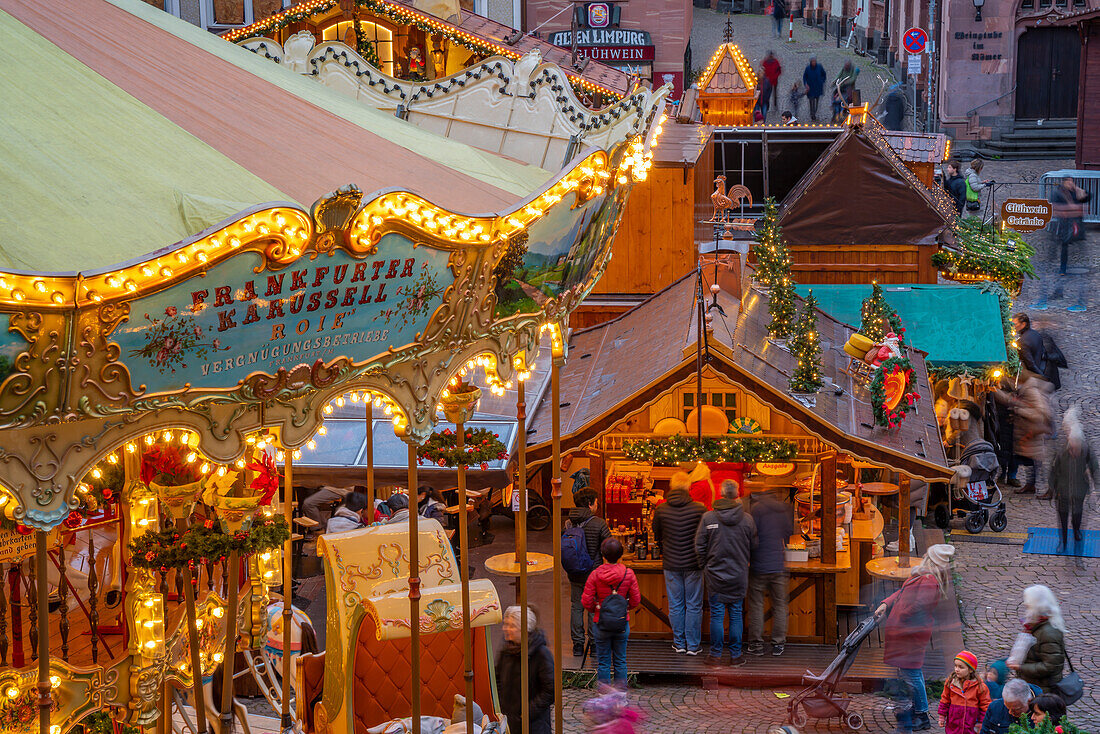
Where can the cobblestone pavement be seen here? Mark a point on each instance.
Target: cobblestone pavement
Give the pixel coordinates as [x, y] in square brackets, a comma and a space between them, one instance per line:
[682, 709]
[755, 36]
[993, 576]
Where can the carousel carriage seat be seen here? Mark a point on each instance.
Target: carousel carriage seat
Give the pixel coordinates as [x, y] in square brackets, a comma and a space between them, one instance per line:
[367, 576]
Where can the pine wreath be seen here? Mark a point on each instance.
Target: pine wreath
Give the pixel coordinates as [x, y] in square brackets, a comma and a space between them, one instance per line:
[479, 448]
[671, 450]
[884, 416]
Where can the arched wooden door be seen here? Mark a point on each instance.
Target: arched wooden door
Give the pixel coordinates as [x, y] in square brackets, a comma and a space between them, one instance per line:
[1047, 66]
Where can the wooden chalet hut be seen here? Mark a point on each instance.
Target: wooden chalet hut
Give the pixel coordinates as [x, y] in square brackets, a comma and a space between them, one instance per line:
[727, 91]
[860, 214]
[921, 152]
[637, 377]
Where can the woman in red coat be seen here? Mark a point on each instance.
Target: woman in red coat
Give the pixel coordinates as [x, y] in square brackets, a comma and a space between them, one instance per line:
[908, 628]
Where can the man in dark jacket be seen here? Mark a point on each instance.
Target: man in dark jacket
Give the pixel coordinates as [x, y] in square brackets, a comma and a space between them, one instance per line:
[955, 186]
[814, 79]
[595, 533]
[674, 524]
[768, 572]
[1030, 345]
[724, 543]
[1006, 710]
[540, 675]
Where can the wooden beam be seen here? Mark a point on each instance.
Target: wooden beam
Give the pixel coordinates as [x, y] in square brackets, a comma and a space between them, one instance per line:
[828, 508]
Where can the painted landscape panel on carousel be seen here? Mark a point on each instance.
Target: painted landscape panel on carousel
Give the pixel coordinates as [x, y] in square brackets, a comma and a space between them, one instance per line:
[564, 249]
[215, 331]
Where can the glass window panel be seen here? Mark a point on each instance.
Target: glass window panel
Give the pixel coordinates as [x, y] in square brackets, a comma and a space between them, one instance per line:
[689, 399]
[229, 12]
[731, 400]
[340, 446]
[262, 9]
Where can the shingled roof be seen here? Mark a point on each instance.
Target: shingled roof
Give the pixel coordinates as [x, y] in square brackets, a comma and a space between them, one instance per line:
[860, 192]
[616, 367]
[728, 73]
[917, 147]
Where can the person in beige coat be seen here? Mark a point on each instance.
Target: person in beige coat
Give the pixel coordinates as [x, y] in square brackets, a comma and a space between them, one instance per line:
[1032, 423]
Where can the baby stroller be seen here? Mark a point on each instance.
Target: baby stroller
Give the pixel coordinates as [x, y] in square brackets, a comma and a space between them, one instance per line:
[976, 497]
[818, 699]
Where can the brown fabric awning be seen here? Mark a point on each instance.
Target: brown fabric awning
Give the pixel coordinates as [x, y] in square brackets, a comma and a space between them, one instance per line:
[859, 192]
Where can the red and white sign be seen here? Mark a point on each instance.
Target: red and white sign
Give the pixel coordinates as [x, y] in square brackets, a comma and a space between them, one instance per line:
[675, 78]
[616, 53]
[599, 15]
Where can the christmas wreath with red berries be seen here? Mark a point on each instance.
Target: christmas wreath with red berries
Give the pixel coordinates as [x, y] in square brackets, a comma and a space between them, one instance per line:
[480, 446]
[892, 392]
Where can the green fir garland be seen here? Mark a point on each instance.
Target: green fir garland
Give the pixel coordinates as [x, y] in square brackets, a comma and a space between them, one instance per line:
[878, 318]
[991, 253]
[1024, 726]
[671, 450]
[805, 346]
[205, 542]
[781, 308]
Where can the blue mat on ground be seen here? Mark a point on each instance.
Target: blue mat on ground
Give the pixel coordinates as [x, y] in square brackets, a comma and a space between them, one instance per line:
[1044, 541]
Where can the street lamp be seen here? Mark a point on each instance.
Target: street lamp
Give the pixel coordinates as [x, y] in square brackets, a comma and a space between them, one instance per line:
[978, 10]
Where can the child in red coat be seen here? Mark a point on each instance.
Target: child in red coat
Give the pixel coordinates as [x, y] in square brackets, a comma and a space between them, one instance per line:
[965, 697]
[611, 577]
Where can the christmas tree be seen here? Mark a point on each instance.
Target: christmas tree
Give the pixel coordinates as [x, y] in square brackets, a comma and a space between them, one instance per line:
[805, 344]
[773, 260]
[781, 308]
[878, 318]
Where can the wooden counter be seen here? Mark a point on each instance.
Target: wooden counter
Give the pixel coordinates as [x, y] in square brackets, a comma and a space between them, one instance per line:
[811, 610]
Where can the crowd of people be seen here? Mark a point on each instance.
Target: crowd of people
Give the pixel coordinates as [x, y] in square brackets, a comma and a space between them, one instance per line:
[812, 87]
[737, 550]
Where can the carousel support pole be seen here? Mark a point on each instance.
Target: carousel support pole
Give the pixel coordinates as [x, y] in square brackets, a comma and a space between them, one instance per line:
[903, 521]
[370, 452]
[414, 589]
[286, 720]
[464, 574]
[43, 591]
[555, 496]
[230, 654]
[521, 552]
[193, 642]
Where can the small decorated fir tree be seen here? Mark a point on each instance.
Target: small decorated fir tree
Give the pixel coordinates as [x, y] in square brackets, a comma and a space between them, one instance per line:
[773, 260]
[805, 344]
[878, 318]
[781, 308]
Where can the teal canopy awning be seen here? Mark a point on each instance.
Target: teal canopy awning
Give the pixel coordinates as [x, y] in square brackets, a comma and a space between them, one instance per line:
[954, 324]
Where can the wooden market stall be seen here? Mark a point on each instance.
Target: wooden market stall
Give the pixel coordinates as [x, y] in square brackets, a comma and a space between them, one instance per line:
[630, 384]
[727, 89]
[860, 214]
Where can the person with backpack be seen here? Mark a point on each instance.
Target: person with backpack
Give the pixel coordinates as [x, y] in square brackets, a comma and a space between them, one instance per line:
[975, 185]
[611, 592]
[580, 553]
[724, 543]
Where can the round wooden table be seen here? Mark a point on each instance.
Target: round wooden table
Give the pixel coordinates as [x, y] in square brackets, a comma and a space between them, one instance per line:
[505, 564]
[879, 489]
[890, 568]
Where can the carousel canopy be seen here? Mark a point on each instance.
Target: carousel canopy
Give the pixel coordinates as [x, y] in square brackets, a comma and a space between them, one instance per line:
[133, 129]
[954, 324]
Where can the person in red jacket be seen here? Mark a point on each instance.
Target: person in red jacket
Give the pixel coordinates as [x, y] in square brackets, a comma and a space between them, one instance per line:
[610, 577]
[908, 628]
[773, 70]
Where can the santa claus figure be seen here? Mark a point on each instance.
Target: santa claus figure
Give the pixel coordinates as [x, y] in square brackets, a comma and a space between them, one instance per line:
[890, 348]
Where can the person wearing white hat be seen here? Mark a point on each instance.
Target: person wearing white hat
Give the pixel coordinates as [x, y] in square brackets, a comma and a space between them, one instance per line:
[908, 628]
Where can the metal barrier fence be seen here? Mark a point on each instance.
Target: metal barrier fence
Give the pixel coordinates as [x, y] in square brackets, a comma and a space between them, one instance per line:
[1087, 180]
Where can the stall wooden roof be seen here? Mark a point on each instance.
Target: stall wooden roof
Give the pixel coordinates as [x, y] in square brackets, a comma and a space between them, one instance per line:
[618, 367]
[681, 144]
[728, 73]
[111, 120]
[917, 147]
[860, 192]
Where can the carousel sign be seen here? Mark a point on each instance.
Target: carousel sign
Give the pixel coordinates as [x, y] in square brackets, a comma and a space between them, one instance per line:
[260, 321]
